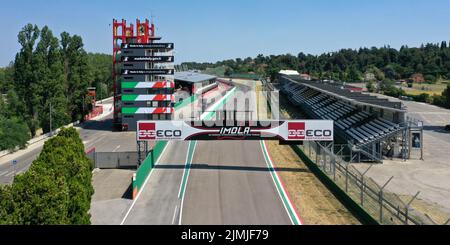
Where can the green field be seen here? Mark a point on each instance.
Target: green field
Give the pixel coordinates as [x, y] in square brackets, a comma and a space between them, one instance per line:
[430, 89]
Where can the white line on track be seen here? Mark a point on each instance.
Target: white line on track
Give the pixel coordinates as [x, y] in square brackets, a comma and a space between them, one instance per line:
[143, 186]
[4, 173]
[117, 148]
[174, 214]
[188, 161]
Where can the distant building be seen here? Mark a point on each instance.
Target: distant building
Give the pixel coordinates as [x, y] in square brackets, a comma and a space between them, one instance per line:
[289, 73]
[305, 76]
[369, 76]
[418, 78]
[352, 88]
[193, 83]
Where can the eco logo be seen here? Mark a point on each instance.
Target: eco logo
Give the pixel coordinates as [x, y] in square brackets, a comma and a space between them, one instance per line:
[146, 131]
[296, 130]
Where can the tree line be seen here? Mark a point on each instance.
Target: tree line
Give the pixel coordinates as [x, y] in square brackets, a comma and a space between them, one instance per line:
[350, 65]
[49, 75]
[56, 190]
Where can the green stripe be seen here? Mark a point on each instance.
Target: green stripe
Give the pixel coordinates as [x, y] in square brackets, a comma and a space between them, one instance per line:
[129, 97]
[129, 110]
[221, 104]
[191, 150]
[278, 184]
[129, 84]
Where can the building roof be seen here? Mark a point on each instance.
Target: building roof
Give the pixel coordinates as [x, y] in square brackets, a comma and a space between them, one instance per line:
[337, 90]
[192, 77]
[289, 72]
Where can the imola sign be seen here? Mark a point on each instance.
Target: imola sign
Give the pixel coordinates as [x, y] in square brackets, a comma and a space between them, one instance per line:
[305, 130]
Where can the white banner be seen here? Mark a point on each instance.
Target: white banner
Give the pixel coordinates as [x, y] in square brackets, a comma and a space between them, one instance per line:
[298, 130]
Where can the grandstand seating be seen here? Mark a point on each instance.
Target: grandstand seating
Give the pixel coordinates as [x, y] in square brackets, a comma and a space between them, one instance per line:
[359, 126]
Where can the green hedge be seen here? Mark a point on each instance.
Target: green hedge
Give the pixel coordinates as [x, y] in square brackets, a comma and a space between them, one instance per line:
[57, 189]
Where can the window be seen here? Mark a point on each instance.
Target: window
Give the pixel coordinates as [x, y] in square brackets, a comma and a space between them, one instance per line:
[155, 104]
[128, 116]
[155, 117]
[128, 90]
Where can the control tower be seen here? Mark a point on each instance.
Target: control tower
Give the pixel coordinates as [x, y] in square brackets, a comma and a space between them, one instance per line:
[143, 74]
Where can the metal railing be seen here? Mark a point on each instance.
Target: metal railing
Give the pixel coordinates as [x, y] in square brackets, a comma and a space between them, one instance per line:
[385, 207]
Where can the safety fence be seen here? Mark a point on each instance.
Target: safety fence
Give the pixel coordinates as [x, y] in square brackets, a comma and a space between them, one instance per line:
[113, 160]
[367, 196]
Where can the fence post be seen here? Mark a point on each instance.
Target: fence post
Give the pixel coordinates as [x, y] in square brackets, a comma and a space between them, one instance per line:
[334, 168]
[362, 190]
[381, 199]
[407, 207]
[362, 185]
[153, 158]
[317, 154]
[346, 177]
[95, 159]
[309, 147]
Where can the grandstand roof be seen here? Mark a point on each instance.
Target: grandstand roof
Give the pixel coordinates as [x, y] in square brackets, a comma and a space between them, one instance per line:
[339, 91]
[192, 77]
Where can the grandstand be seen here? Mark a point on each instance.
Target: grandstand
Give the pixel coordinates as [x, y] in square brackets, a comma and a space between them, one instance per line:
[371, 128]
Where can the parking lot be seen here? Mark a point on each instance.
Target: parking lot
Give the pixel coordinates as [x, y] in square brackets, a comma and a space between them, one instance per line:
[430, 176]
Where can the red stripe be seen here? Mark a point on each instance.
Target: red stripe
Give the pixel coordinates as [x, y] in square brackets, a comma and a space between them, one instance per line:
[90, 150]
[281, 182]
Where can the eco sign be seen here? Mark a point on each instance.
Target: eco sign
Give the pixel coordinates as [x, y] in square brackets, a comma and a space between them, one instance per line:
[307, 130]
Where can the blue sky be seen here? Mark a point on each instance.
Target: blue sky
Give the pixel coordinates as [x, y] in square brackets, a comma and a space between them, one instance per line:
[211, 30]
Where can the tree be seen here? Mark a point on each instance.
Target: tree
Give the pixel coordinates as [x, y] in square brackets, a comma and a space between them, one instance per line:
[51, 81]
[13, 133]
[24, 75]
[348, 64]
[370, 86]
[228, 72]
[77, 73]
[57, 189]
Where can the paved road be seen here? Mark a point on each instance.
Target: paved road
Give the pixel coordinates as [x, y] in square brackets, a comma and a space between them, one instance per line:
[94, 134]
[230, 184]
